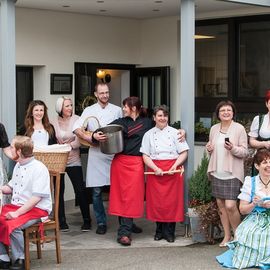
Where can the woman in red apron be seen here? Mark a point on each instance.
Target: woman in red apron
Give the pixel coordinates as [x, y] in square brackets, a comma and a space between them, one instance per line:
[127, 178]
[162, 152]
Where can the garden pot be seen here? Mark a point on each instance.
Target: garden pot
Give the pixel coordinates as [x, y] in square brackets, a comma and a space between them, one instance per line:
[195, 225]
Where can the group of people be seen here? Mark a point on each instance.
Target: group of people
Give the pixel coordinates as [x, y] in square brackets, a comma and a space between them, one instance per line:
[124, 172]
[150, 142]
[146, 141]
[248, 240]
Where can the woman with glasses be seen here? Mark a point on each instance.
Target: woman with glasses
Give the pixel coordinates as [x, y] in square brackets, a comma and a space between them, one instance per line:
[227, 147]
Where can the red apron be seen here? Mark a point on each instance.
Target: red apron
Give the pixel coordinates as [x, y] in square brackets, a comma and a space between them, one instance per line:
[8, 225]
[165, 195]
[127, 186]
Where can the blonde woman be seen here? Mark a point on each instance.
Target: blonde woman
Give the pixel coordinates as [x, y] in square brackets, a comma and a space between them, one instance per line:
[63, 129]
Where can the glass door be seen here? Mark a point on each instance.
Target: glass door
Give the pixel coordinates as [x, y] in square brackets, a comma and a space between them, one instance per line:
[152, 86]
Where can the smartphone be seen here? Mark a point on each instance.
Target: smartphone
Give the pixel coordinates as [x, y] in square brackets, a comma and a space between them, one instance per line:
[227, 140]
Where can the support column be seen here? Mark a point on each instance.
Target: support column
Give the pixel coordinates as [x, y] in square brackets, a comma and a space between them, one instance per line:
[7, 69]
[187, 77]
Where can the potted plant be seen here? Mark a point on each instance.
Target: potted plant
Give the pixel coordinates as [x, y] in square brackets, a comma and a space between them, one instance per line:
[203, 210]
[201, 132]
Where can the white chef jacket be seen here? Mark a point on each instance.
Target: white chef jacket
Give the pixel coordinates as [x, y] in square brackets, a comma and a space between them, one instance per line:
[162, 144]
[99, 164]
[31, 179]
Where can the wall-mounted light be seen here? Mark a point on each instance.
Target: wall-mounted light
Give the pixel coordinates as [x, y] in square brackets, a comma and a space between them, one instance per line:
[101, 74]
[105, 78]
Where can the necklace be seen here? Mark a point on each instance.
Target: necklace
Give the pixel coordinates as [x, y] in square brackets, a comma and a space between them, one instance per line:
[265, 184]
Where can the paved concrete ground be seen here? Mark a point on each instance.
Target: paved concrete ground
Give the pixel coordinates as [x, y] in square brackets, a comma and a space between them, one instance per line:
[101, 252]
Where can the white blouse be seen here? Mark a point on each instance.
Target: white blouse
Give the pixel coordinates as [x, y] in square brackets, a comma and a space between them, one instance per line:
[245, 194]
[31, 179]
[40, 137]
[220, 173]
[264, 130]
[162, 144]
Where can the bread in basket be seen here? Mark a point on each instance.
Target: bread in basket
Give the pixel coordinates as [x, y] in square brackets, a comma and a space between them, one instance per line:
[53, 156]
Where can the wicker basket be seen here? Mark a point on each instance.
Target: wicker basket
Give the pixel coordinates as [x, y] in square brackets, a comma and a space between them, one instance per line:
[54, 161]
[87, 132]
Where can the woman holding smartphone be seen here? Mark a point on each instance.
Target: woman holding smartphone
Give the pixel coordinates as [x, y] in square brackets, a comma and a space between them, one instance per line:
[227, 148]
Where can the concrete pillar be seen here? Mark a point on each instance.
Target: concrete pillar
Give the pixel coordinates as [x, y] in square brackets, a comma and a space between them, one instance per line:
[187, 77]
[7, 69]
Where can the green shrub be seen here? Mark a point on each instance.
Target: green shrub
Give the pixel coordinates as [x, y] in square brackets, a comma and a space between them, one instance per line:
[199, 185]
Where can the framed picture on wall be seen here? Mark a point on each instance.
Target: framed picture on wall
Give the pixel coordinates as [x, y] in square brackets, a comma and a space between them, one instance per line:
[61, 84]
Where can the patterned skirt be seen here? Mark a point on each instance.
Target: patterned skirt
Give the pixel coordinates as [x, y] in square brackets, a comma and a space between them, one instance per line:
[252, 245]
[225, 189]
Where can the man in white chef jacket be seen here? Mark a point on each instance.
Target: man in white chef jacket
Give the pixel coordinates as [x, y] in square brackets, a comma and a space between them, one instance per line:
[31, 202]
[99, 164]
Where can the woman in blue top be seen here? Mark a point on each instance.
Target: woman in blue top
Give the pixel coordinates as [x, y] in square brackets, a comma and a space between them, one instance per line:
[251, 245]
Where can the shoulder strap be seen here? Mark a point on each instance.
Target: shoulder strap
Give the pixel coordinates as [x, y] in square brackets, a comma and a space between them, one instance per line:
[252, 188]
[260, 121]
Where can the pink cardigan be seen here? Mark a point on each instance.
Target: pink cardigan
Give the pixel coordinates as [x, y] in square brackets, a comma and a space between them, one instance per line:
[74, 155]
[235, 157]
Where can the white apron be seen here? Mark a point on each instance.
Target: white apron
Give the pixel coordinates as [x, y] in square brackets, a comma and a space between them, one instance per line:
[98, 164]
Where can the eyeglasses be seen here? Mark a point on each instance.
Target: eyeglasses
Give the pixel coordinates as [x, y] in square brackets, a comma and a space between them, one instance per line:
[103, 94]
[225, 110]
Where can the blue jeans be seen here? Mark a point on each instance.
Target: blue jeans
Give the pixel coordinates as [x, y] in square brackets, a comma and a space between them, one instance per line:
[98, 206]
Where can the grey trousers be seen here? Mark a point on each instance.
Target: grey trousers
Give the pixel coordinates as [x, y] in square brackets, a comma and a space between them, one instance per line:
[17, 241]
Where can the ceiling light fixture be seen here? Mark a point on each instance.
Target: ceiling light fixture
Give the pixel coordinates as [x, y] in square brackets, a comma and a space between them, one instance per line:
[203, 37]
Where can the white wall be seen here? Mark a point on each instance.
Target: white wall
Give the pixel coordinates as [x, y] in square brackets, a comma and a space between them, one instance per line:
[55, 40]
[160, 48]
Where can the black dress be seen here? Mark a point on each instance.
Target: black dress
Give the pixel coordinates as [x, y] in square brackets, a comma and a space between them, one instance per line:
[3, 137]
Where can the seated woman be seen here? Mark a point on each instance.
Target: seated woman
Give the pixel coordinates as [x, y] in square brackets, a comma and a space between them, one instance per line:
[164, 192]
[251, 246]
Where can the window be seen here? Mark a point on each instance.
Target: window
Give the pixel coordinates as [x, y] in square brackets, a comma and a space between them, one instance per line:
[254, 59]
[211, 61]
[232, 62]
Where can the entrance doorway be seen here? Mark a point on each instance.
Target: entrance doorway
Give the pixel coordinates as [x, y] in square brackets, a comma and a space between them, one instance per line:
[24, 94]
[151, 84]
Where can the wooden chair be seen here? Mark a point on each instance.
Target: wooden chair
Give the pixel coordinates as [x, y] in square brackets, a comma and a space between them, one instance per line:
[51, 227]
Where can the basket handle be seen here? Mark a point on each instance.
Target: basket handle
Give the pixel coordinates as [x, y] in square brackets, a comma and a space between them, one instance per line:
[86, 122]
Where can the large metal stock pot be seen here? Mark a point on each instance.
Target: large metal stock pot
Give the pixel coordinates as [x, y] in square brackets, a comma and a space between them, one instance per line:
[115, 142]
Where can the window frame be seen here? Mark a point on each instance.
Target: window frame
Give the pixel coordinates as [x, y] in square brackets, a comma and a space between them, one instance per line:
[205, 106]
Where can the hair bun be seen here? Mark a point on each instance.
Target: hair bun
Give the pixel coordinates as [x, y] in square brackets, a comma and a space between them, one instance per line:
[59, 105]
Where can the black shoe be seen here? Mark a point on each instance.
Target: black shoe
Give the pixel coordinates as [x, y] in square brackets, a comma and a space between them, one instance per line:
[4, 264]
[101, 229]
[17, 265]
[170, 238]
[158, 236]
[86, 227]
[136, 229]
[124, 240]
[64, 227]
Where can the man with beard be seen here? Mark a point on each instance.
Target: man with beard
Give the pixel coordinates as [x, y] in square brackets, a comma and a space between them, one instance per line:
[99, 164]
